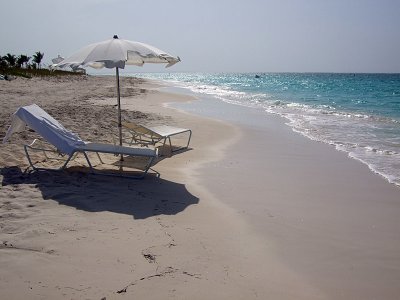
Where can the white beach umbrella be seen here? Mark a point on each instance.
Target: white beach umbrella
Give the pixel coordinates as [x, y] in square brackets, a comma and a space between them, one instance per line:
[116, 53]
[58, 59]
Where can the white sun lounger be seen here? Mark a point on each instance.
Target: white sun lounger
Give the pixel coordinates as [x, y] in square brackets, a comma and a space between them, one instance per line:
[67, 142]
[145, 135]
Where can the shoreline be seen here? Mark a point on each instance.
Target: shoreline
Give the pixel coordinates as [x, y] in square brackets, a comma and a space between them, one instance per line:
[233, 116]
[366, 133]
[232, 218]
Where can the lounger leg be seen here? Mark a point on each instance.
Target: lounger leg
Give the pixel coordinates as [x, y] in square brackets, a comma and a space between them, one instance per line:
[28, 157]
[98, 155]
[184, 147]
[88, 161]
[190, 136]
[67, 161]
[170, 145]
[45, 169]
[147, 166]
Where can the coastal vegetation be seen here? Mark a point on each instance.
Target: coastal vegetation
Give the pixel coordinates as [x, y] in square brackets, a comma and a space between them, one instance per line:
[27, 66]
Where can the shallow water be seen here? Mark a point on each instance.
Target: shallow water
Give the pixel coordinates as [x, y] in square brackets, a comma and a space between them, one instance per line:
[356, 113]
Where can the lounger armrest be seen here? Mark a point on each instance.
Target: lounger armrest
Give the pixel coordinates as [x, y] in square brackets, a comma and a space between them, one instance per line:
[41, 147]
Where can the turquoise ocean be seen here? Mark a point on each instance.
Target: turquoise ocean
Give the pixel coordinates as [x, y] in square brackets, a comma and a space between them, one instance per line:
[356, 113]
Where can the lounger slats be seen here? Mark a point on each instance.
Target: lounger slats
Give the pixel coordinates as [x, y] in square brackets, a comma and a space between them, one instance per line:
[166, 131]
[109, 148]
[145, 135]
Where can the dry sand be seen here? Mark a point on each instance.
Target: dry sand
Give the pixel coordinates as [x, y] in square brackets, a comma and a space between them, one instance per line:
[185, 235]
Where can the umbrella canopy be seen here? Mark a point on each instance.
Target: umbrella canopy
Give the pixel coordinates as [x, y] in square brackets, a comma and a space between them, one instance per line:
[58, 59]
[116, 53]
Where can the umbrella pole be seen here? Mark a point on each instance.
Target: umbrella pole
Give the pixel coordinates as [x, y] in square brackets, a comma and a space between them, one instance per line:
[119, 110]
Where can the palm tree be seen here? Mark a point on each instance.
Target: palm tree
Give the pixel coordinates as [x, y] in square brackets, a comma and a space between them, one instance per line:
[10, 59]
[22, 60]
[3, 63]
[37, 58]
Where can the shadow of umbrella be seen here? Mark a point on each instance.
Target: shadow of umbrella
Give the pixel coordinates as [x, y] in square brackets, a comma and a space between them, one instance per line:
[95, 193]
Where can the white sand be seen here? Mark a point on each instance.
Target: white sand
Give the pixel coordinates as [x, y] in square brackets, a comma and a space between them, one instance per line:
[207, 229]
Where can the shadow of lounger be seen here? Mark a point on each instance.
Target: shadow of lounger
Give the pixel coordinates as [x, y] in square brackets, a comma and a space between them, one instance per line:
[144, 199]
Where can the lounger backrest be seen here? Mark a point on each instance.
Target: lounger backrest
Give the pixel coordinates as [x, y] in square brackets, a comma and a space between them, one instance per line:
[46, 126]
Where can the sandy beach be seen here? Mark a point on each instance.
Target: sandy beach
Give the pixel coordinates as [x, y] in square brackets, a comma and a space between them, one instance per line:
[233, 217]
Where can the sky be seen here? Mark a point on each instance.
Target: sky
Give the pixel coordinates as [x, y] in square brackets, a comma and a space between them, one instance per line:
[216, 35]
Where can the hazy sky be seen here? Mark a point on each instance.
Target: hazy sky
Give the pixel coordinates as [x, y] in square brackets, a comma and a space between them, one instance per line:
[217, 36]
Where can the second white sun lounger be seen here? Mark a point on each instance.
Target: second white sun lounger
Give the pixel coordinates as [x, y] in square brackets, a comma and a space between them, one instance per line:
[151, 135]
[67, 142]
